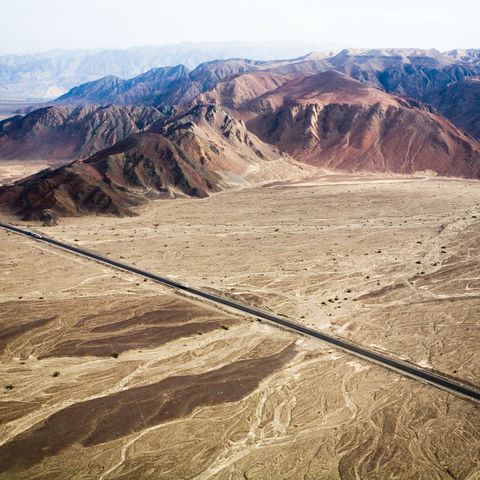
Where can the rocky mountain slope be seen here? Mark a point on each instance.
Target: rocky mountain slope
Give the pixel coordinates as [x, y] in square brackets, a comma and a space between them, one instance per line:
[460, 103]
[206, 151]
[236, 91]
[159, 86]
[333, 121]
[66, 133]
[137, 169]
[408, 72]
[146, 89]
[222, 144]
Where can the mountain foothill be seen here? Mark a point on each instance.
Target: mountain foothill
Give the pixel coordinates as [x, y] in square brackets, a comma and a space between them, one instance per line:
[236, 123]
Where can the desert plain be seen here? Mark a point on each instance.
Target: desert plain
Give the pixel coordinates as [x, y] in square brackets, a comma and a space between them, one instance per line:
[107, 376]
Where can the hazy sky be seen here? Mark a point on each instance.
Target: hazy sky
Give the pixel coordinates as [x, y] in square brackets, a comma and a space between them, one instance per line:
[37, 25]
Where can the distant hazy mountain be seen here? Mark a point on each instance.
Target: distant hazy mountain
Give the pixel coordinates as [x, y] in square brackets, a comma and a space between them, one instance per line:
[331, 120]
[49, 75]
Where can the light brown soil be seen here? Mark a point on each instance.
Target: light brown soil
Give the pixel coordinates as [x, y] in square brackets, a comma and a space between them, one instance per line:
[15, 170]
[309, 412]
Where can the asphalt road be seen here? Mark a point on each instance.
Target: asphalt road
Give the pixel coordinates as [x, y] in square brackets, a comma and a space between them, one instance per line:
[400, 366]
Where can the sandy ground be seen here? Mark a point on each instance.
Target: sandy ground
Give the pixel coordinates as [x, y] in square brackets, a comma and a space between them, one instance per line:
[11, 170]
[201, 393]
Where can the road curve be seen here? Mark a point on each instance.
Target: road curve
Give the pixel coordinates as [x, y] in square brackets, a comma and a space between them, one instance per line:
[400, 366]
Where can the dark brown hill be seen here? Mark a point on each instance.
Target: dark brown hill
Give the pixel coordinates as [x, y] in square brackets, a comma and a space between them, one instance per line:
[146, 89]
[460, 103]
[140, 168]
[63, 134]
[206, 151]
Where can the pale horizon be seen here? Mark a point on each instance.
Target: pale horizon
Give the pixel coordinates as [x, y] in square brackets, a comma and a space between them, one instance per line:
[28, 26]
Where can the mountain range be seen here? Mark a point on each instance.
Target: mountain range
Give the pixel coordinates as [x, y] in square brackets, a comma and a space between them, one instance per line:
[204, 151]
[44, 76]
[235, 123]
[420, 74]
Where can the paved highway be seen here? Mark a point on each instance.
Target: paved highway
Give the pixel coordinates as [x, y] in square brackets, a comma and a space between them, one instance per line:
[400, 366]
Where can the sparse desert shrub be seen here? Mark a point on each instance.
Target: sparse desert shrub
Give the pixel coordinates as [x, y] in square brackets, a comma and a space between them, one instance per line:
[55, 374]
[9, 386]
[115, 355]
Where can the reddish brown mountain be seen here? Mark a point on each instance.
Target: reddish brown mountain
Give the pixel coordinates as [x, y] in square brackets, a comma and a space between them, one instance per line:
[323, 120]
[206, 151]
[67, 133]
[333, 121]
[234, 92]
[135, 170]
[223, 145]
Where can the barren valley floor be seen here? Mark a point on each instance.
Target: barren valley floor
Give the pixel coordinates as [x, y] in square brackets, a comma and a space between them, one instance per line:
[197, 392]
